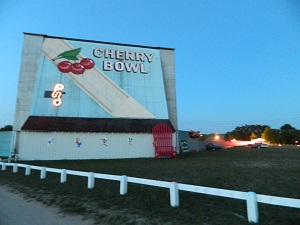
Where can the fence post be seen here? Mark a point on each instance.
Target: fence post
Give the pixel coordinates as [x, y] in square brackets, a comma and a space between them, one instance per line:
[252, 209]
[15, 168]
[174, 194]
[91, 180]
[3, 167]
[27, 170]
[43, 173]
[63, 176]
[123, 185]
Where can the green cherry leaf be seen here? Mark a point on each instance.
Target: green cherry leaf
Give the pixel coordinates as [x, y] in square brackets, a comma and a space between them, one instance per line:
[70, 55]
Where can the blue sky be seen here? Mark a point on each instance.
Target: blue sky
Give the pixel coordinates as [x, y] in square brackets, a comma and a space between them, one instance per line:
[237, 62]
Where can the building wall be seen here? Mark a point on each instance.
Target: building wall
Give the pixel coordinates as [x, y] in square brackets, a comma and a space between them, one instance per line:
[27, 79]
[127, 81]
[6, 140]
[193, 143]
[168, 68]
[145, 90]
[72, 146]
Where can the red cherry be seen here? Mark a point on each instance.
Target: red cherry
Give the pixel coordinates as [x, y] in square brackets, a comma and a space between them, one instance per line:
[64, 66]
[77, 68]
[87, 63]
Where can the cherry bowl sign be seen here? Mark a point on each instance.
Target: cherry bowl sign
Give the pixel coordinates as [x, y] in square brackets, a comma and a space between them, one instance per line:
[99, 79]
[86, 99]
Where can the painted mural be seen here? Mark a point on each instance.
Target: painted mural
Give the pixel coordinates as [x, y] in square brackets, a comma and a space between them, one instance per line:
[99, 80]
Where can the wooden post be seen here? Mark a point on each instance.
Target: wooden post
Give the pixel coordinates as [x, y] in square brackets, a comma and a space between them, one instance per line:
[91, 180]
[252, 209]
[15, 168]
[43, 173]
[174, 194]
[27, 170]
[123, 185]
[63, 176]
[3, 166]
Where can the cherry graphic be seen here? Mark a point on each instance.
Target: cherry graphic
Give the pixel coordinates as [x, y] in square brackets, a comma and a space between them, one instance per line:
[87, 63]
[77, 68]
[64, 66]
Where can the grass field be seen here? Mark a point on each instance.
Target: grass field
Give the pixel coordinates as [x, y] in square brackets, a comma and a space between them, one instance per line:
[274, 171]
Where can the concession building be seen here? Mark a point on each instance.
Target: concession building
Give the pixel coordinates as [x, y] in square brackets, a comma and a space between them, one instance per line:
[84, 99]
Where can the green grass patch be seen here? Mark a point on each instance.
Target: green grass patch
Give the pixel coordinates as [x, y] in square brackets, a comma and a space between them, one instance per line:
[273, 171]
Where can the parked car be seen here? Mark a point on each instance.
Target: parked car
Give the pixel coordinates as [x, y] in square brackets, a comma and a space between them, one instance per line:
[212, 146]
[259, 145]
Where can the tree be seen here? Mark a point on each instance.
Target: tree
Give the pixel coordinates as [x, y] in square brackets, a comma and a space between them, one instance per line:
[243, 133]
[227, 137]
[253, 136]
[288, 134]
[6, 128]
[271, 135]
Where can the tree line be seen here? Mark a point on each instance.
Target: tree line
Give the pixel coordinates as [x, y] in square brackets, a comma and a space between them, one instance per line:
[286, 134]
[7, 128]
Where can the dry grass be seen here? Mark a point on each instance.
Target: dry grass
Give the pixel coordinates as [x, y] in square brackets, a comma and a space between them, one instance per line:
[273, 171]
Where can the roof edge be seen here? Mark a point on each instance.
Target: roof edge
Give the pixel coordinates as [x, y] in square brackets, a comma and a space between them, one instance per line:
[94, 41]
[92, 125]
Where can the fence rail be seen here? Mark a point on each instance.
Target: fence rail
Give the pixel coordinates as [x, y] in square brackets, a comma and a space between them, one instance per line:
[252, 199]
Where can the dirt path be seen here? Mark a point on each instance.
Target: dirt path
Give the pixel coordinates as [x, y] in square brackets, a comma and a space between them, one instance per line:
[15, 210]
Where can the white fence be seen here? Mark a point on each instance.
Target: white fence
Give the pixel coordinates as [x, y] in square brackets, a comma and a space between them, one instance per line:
[251, 198]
